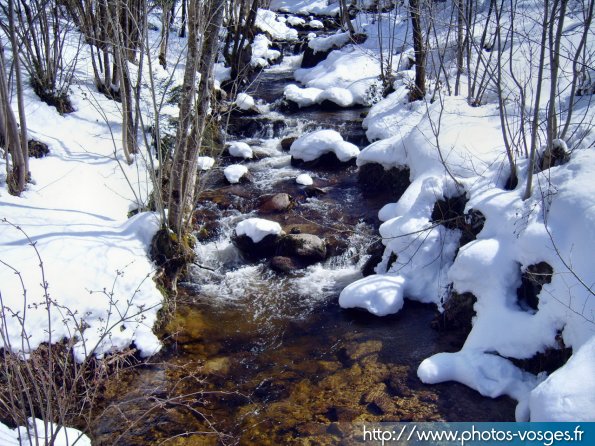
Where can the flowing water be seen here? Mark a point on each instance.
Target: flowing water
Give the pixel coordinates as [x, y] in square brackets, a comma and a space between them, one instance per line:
[254, 357]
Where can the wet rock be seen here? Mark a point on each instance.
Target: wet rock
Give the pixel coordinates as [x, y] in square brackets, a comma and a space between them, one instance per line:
[276, 203]
[458, 313]
[308, 248]
[326, 161]
[532, 281]
[337, 245]
[343, 414]
[450, 211]
[254, 251]
[287, 265]
[375, 251]
[38, 149]
[312, 58]
[287, 142]
[373, 179]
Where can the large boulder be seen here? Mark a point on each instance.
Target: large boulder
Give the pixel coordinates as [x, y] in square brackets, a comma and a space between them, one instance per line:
[275, 203]
[308, 248]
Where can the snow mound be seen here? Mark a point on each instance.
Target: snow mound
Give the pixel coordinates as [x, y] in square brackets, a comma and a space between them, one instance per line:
[343, 70]
[489, 374]
[304, 179]
[205, 162]
[568, 393]
[315, 24]
[379, 294]
[66, 435]
[258, 228]
[240, 149]
[235, 172]
[267, 21]
[245, 102]
[326, 43]
[305, 7]
[262, 55]
[311, 146]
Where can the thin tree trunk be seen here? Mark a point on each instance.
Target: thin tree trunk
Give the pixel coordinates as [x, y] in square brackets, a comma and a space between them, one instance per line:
[420, 52]
[537, 102]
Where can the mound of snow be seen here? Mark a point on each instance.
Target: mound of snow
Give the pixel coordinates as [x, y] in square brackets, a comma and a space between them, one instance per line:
[568, 394]
[379, 294]
[326, 43]
[346, 69]
[240, 149]
[311, 146]
[267, 21]
[262, 55]
[315, 24]
[205, 162]
[258, 228]
[303, 97]
[295, 21]
[245, 102]
[305, 7]
[235, 172]
[304, 179]
[65, 436]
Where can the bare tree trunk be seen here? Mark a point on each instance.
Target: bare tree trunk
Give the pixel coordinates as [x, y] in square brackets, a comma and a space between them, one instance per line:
[166, 16]
[16, 166]
[552, 119]
[183, 173]
[420, 52]
[576, 73]
[182, 33]
[458, 4]
[537, 102]
[176, 199]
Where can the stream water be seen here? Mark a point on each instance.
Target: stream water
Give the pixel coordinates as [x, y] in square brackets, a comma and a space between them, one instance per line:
[254, 357]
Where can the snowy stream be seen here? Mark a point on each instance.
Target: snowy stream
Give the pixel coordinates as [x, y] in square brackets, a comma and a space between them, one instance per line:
[265, 358]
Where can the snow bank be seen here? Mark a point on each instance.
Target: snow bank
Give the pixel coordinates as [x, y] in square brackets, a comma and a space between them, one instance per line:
[305, 7]
[262, 55]
[304, 179]
[88, 245]
[326, 43]
[66, 436]
[568, 393]
[347, 76]
[311, 146]
[258, 228]
[267, 21]
[235, 172]
[240, 149]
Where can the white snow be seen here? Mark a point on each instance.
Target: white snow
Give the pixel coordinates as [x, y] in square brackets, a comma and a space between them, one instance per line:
[240, 149]
[312, 145]
[245, 102]
[315, 24]
[295, 21]
[304, 179]
[379, 294]
[267, 21]
[568, 393]
[235, 172]
[66, 436]
[262, 55]
[326, 43]
[205, 162]
[258, 228]
[304, 7]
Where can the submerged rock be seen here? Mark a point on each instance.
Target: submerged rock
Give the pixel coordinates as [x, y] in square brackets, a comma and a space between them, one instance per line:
[374, 178]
